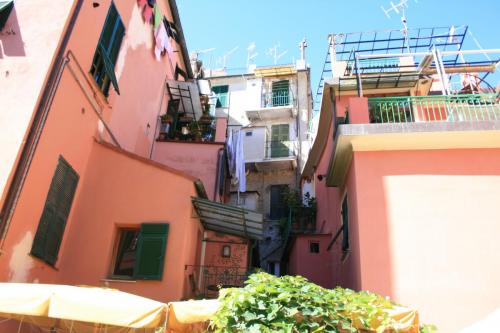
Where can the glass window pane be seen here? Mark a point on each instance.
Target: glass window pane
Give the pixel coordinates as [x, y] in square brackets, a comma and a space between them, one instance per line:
[127, 251]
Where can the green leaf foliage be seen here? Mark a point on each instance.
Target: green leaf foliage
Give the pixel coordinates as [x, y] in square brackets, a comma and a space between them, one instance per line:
[292, 304]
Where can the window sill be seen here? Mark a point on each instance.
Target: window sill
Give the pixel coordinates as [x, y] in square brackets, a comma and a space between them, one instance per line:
[115, 279]
[99, 96]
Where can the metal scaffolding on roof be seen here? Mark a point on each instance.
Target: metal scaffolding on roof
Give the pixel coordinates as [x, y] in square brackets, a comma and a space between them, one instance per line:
[343, 46]
[402, 59]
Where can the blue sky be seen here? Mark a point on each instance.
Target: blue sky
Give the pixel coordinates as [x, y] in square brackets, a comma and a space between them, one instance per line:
[226, 24]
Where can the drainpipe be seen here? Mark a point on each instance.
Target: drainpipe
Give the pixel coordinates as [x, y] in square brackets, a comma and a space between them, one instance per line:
[36, 128]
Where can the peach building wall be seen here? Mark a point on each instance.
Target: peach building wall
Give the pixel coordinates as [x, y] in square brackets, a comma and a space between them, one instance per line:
[23, 57]
[196, 159]
[118, 192]
[73, 121]
[427, 231]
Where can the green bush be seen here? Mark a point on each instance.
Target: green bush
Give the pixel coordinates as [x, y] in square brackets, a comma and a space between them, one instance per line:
[295, 305]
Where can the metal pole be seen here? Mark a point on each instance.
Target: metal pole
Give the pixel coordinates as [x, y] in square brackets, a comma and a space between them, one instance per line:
[444, 53]
[333, 54]
[358, 76]
[438, 68]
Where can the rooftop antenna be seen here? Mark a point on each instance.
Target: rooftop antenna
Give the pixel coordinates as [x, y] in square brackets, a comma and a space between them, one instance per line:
[273, 52]
[400, 8]
[223, 60]
[250, 53]
[197, 53]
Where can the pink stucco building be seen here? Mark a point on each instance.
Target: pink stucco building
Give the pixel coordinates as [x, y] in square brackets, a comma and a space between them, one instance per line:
[406, 173]
[101, 156]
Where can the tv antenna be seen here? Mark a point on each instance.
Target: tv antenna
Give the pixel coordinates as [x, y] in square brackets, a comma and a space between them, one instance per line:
[400, 9]
[197, 53]
[250, 53]
[223, 60]
[273, 52]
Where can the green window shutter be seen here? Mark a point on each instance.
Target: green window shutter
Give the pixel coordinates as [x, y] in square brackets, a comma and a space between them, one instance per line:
[222, 93]
[5, 9]
[117, 40]
[108, 48]
[280, 136]
[151, 247]
[52, 223]
[38, 247]
[109, 68]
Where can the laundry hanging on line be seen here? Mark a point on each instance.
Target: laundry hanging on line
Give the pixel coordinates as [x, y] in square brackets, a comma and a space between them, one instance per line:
[236, 159]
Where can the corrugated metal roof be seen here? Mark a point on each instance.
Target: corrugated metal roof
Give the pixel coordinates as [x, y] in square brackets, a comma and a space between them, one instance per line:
[229, 219]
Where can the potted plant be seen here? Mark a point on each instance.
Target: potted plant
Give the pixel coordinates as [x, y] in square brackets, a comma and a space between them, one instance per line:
[195, 129]
[166, 118]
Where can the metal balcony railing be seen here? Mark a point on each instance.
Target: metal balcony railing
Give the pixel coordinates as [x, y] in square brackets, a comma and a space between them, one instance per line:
[278, 98]
[206, 281]
[303, 220]
[367, 66]
[478, 107]
[277, 149]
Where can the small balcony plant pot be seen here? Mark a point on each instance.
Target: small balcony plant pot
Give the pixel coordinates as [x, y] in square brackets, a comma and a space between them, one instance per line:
[206, 119]
[186, 119]
[167, 119]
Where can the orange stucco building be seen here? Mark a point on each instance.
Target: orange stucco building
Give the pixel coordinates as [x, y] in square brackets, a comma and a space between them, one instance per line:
[406, 179]
[91, 192]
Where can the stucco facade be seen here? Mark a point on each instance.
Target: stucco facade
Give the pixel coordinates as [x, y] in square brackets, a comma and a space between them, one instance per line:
[256, 105]
[421, 218]
[131, 187]
[108, 142]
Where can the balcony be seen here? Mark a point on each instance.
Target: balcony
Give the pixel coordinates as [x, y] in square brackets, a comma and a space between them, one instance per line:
[206, 281]
[481, 107]
[413, 123]
[275, 105]
[263, 154]
[303, 220]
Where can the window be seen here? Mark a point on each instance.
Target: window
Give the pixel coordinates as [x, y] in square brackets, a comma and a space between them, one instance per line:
[226, 251]
[250, 133]
[106, 54]
[179, 72]
[279, 208]
[345, 227]
[222, 96]
[140, 252]
[172, 30]
[271, 268]
[127, 250]
[55, 213]
[280, 138]
[314, 247]
[5, 9]
[281, 93]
